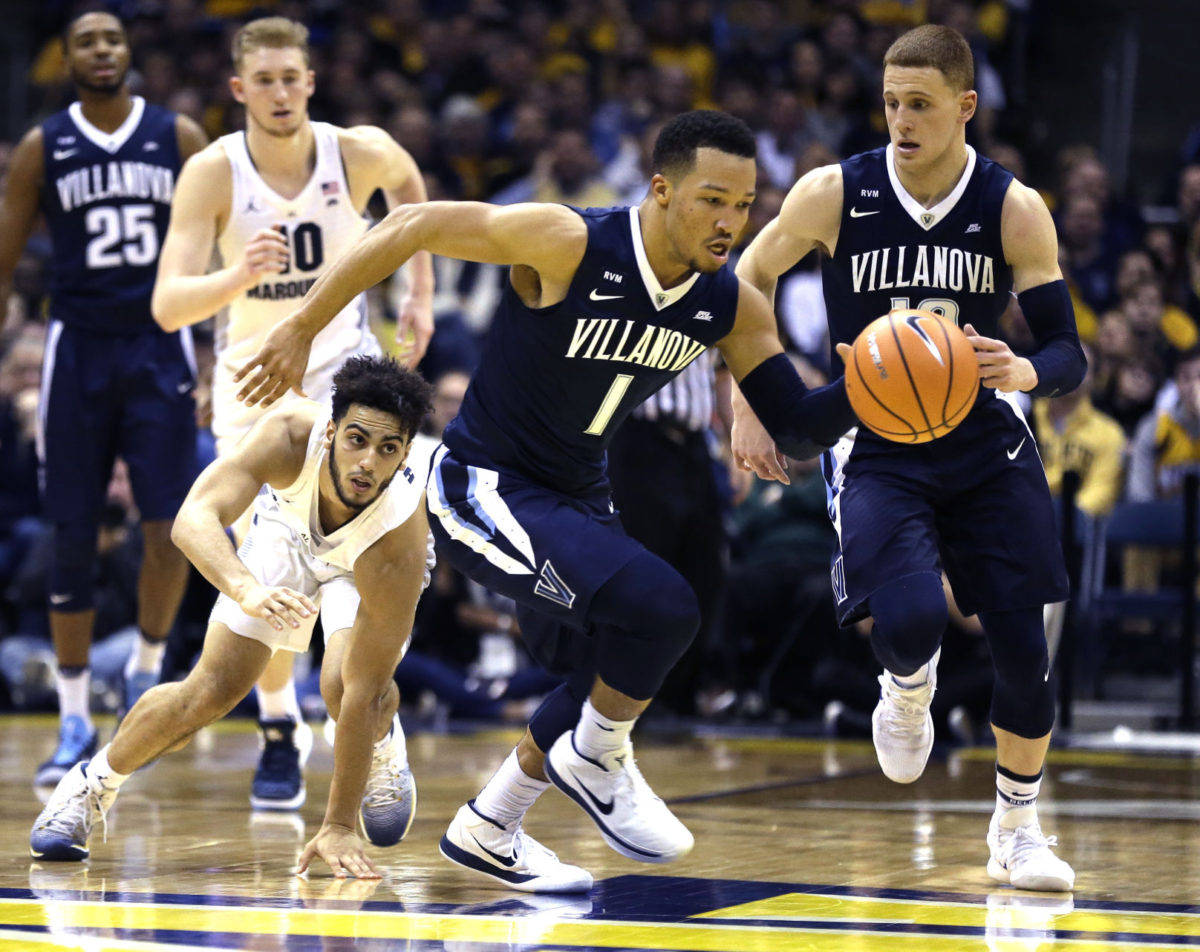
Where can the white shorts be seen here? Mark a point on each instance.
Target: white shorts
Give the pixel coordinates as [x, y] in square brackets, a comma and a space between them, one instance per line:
[275, 556]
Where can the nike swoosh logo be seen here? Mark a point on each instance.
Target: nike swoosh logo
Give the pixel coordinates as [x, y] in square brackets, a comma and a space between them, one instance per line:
[603, 297]
[60, 154]
[605, 808]
[855, 213]
[1012, 454]
[59, 599]
[509, 861]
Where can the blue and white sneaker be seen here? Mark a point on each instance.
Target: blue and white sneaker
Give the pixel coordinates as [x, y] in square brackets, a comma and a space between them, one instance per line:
[62, 829]
[633, 820]
[390, 801]
[77, 741]
[508, 855]
[278, 780]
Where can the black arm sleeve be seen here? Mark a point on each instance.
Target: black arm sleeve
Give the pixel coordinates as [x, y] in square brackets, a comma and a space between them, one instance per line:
[1059, 359]
[802, 422]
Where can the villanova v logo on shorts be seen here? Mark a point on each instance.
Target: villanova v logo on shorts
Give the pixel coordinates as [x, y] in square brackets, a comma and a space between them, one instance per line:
[550, 585]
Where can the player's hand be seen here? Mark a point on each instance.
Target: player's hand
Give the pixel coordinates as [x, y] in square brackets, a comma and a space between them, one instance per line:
[999, 367]
[754, 450]
[278, 605]
[265, 253]
[414, 328]
[342, 849]
[278, 366]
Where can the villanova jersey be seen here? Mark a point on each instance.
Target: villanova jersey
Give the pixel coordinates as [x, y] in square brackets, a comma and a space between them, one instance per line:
[893, 253]
[556, 382]
[107, 200]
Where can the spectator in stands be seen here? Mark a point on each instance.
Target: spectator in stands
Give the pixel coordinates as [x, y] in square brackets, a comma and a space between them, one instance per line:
[1073, 435]
[1089, 263]
[1159, 329]
[1166, 445]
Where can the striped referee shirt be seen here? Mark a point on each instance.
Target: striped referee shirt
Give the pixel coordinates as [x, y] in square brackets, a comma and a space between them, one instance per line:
[686, 401]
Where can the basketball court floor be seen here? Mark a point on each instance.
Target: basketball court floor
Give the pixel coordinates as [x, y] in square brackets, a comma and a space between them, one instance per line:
[800, 845]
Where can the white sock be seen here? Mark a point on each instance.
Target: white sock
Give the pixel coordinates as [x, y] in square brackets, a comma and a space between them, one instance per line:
[1016, 799]
[277, 705]
[507, 797]
[596, 735]
[394, 739]
[146, 657]
[914, 680]
[99, 770]
[73, 694]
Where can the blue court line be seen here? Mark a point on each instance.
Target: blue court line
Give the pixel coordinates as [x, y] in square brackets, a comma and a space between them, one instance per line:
[774, 785]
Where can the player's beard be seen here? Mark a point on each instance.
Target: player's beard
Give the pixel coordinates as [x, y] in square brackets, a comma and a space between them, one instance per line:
[335, 473]
[110, 88]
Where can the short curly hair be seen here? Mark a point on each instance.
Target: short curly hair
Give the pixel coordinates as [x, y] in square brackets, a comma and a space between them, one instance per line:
[676, 145]
[382, 384]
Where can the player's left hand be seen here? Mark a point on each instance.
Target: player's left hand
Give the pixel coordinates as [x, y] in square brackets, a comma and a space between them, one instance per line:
[999, 367]
[278, 366]
[414, 328]
[342, 849]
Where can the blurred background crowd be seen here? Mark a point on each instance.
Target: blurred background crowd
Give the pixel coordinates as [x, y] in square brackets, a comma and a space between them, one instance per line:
[559, 100]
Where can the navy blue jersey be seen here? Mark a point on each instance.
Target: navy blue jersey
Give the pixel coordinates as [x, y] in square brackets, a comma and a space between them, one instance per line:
[107, 199]
[554, 383]
[892, 253]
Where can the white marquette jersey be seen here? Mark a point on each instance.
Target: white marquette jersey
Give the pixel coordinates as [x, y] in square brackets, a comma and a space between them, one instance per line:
[296, 508]
[320, 224]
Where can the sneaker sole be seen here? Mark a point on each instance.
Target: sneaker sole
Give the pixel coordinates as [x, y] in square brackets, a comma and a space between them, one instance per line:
[267, 803]
[627, 850]
[61, 854]
[362, 827]
[1031, 883]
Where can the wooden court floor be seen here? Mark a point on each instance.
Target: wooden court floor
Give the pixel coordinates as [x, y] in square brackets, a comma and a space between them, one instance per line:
[800, 845]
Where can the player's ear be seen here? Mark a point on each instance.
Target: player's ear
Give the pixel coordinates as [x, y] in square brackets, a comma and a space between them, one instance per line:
[660, 188]
[330, 431]
[237, 88]
[312, 82]
[967, 103]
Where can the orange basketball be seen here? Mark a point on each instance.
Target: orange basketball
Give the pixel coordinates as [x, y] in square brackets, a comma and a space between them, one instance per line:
[912, 376]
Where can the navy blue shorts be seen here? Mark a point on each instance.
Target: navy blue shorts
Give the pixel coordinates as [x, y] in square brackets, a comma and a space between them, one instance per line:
[105, 396]
[974, 503]
[547, 551]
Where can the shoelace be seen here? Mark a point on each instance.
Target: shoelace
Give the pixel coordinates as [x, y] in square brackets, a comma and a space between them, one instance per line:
[385, 783]
[630, 779]
[67, 819]
[902, 710]
[525, 846]
[1025, 841]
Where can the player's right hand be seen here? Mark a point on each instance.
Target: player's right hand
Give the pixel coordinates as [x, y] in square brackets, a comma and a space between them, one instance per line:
[754, 450]
[278, 366]
[278, 605]
[265, 253]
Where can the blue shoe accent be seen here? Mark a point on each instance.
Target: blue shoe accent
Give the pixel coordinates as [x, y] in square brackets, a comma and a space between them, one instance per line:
[278, 782]
[463, 858]
[389, 806]
[136, 685]
[62, 829]
[76, 742]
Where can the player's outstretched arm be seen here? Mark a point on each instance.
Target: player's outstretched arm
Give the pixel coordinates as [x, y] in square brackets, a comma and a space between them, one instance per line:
[389, 577]
[272, 452]
[388, 166]
[801, 421]
[549, 239]
[184, 292]
[19, 208]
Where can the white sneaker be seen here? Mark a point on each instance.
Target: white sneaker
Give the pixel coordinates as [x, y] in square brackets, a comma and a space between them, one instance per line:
[508, 855]
[632, 819]
[62, 829]
[902, 727]
[1023, 858]
[390, 799]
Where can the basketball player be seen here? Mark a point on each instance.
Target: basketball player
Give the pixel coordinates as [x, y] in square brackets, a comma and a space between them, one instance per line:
[102, 172]
[928, 223]
[602, 308]
[280, 202]
[342, 530]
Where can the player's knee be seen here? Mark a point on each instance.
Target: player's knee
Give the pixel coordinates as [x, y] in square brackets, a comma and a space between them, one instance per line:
[910, 618]
[72, 566]
[331, 690]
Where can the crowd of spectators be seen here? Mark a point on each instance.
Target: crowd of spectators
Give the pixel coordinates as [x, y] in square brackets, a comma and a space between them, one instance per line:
[560, 100]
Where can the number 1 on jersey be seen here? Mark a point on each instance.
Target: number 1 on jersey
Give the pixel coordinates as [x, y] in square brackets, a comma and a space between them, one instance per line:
[609, 404]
